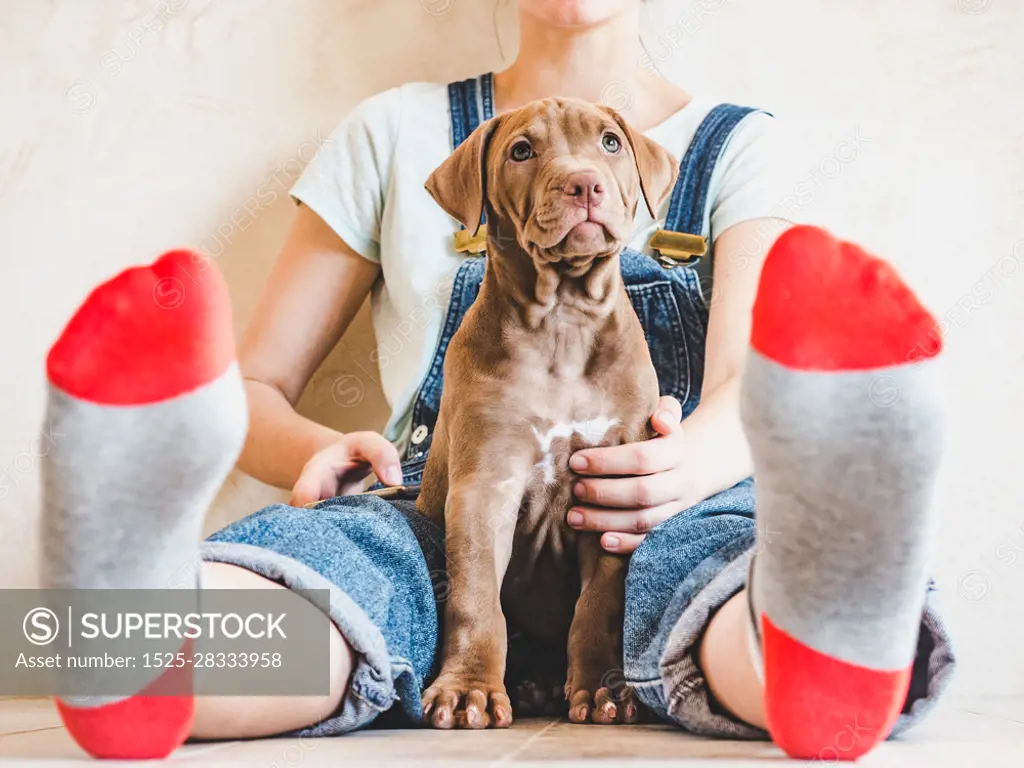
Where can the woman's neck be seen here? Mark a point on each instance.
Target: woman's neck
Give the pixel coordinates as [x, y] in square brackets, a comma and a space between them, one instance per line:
[600, 63]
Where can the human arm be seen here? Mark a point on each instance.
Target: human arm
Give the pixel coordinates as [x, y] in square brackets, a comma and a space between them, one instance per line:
[314, 291]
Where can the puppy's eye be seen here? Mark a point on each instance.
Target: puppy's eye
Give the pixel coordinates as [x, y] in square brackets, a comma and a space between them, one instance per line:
[521, 151]
[610, 142]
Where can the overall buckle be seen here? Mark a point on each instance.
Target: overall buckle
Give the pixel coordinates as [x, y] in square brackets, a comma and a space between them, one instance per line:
[467, 243]
[675, 248]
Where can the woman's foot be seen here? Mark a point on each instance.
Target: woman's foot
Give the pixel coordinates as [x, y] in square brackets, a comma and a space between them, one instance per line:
[840, 409]
[144, 385]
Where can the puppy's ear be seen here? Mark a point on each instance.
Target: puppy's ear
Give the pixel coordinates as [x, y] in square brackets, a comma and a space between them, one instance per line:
[459, 184]
[656, 166]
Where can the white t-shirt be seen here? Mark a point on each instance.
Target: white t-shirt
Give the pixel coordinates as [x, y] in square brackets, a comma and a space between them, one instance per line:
[366, 183]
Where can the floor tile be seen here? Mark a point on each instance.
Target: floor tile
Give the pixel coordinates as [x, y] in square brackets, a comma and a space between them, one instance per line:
[18, 715]
[54, 746]
[1009, 707]
[952, 736]
[394, 745]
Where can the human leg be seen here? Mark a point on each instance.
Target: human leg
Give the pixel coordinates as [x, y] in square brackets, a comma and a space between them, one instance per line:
[845, 519]
[147, 402]
[248, 717]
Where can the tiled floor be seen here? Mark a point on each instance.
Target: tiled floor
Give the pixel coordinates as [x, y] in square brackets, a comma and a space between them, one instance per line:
[988, 732]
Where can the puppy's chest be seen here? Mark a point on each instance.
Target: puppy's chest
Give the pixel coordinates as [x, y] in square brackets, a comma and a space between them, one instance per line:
[568, 418]
[557, 440]
[548, 495]
[565, 410]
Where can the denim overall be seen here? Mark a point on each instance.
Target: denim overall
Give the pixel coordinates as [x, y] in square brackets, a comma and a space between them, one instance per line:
[385, 565]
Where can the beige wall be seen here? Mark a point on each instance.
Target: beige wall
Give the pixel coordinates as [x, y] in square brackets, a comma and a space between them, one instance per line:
[125, 132]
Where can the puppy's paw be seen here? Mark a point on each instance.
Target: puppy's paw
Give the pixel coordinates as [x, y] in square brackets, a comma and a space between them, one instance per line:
[609, 706]
[452, 702]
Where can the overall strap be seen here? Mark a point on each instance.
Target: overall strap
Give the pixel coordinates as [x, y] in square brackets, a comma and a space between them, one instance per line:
[467, 100]
[687, 231]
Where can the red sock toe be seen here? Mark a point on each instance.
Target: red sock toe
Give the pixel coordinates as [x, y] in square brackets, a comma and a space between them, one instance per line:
[825, 304]
[148, 334]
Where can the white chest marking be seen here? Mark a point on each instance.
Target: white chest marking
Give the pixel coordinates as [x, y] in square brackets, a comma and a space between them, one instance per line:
[592, 431]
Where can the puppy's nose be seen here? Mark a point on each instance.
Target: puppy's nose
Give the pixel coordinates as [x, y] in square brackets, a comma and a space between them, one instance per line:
[584, 188]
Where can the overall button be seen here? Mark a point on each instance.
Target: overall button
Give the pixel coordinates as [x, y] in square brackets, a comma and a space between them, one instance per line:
[419, 434]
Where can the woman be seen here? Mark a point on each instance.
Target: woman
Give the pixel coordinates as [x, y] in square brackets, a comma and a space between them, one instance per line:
[366, 225]
[365, 216]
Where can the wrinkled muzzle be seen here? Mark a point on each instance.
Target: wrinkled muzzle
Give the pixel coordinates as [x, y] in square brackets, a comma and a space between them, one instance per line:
[578, 210]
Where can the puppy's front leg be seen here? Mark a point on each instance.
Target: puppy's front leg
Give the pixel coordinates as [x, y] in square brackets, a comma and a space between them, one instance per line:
[484, 496]
[595, 687]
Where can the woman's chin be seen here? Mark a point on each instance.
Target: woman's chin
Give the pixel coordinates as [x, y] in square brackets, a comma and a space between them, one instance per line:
[576, 13]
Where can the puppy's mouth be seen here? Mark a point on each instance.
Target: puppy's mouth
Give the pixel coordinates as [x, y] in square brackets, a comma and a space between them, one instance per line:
[583, 234]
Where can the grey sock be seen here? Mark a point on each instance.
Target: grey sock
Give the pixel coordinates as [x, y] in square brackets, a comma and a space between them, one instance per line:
[126, 490]
[840, 407]
[844, 506]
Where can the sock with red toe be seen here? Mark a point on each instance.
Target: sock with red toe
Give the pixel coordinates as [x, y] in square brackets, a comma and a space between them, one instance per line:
[841, 411]
[144, 388]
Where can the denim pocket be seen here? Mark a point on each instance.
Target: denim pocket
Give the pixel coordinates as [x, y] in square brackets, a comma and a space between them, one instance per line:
[412, 472]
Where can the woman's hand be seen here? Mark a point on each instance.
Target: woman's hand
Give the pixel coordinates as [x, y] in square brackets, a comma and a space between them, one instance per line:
[626, 490]
[340, 468]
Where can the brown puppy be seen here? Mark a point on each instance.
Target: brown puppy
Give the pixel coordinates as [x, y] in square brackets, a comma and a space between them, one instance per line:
[549, 359]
